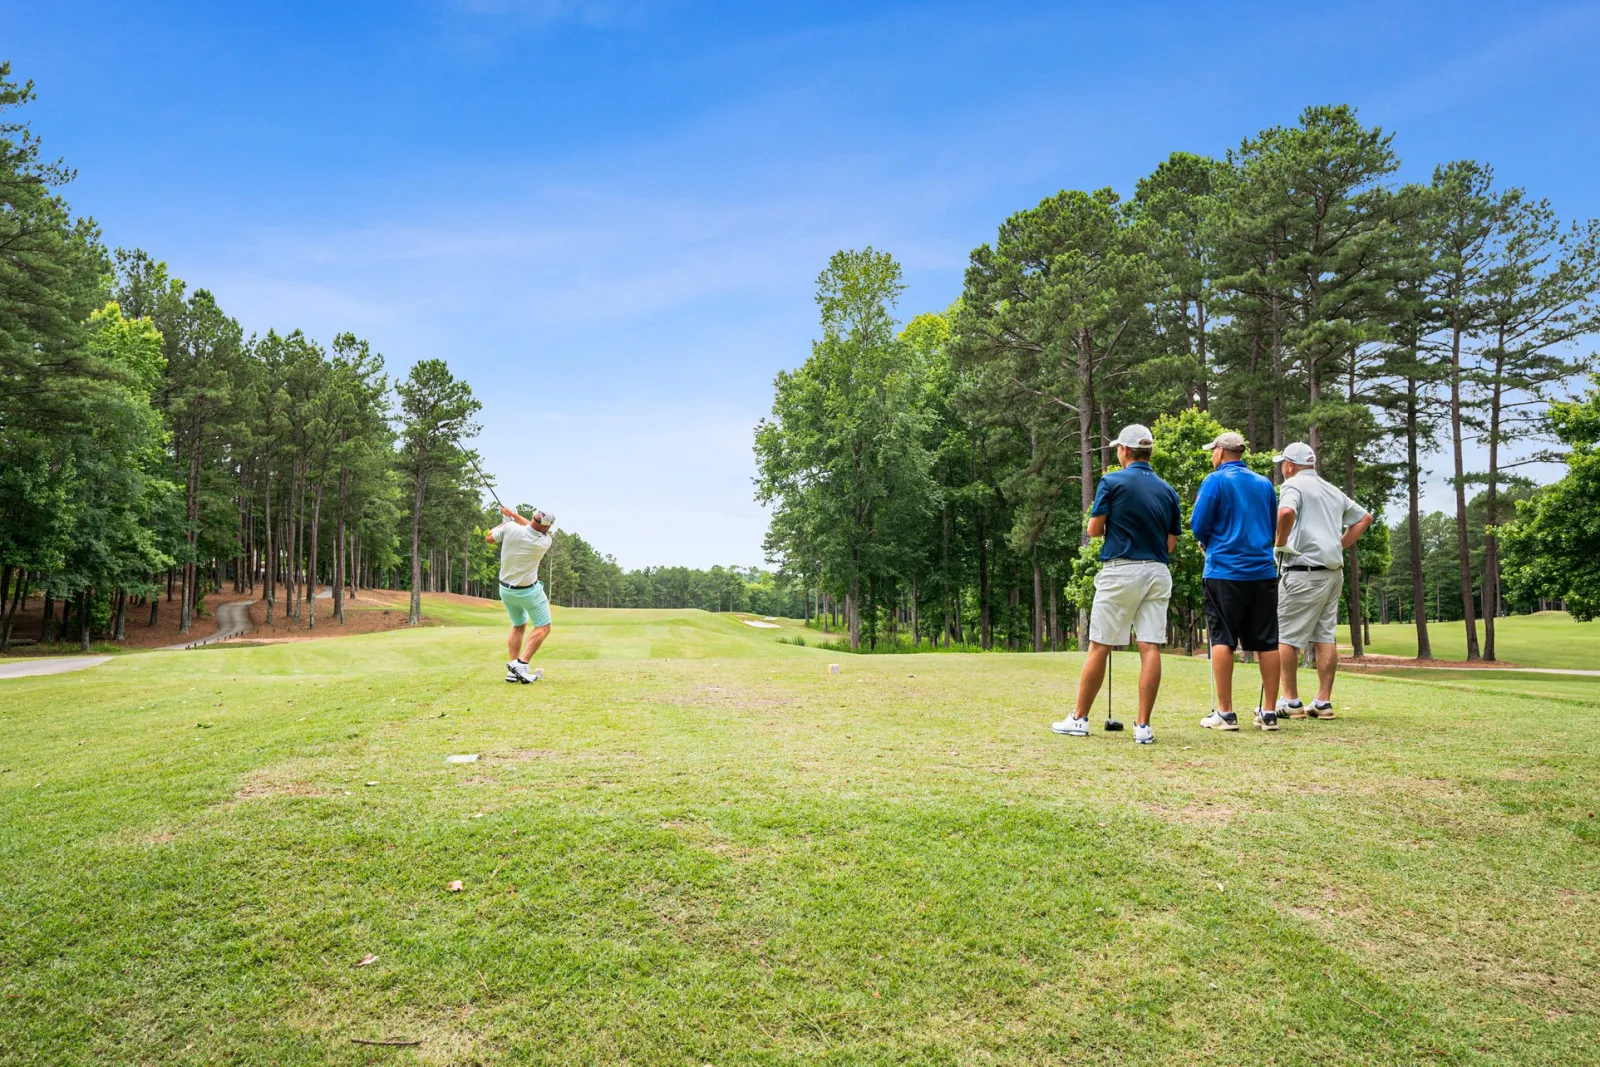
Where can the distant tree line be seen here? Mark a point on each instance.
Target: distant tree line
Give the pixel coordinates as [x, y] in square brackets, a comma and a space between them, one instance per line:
[576, 574]
[930, 481]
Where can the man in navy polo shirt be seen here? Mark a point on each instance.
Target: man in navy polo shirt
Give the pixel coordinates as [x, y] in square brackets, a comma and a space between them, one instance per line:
[1235, 517]
[1137, 514]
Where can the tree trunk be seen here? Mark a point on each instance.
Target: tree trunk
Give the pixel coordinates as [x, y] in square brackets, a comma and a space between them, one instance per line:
[1278, 440]
[1055, 632]
[269, 557]
[120, 629]
[1250, 397]
[83, 620]
[311, 560]
[191, 537]
[1038, 604]
[1358, 647]
[916, 633]
[1419, 592]
[415, 618]
[11, 611]
[985, 622]
[1200, 355]
[1491, 515]
[339, 547]
[1463, 549]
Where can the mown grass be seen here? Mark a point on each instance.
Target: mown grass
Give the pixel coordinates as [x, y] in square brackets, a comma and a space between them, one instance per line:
[1545, 639]
[697, 846]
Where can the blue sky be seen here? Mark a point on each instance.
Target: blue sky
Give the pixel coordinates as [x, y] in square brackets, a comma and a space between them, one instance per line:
[608, 216]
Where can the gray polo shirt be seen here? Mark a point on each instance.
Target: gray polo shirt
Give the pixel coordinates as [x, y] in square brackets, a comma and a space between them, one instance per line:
[1322, 514]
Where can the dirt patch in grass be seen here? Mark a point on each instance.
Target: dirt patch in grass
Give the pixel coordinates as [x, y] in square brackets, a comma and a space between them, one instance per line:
[523, 755]
[268, 783]
[1197, 813]
[358, 619]
[1372, 661]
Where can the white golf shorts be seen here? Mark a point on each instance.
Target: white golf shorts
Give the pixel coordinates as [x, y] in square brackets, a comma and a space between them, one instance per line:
[1130, 594]
[1308, 607]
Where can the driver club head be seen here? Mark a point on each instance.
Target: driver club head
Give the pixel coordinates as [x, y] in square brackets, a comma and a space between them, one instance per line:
[1113, 726]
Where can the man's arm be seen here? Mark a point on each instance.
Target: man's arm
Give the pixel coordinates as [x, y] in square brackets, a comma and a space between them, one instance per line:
[1286, 518]
[1353, 533]
[1172, 543]
[1097, 525]
[514, 517]
[1200, 517]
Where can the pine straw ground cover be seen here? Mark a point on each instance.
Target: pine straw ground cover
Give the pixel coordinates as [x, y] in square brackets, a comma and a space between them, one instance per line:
[691, 844]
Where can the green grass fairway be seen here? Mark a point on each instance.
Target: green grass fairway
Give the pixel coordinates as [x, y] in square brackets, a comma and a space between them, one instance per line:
[690, 844]
[1548, 639]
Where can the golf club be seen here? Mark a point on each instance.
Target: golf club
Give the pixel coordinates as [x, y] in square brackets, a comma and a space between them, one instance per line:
[1112, 725]
[486, 483]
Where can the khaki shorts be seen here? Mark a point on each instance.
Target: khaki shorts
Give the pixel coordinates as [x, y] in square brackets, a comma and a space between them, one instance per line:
[1308, 607]
[1130, 593]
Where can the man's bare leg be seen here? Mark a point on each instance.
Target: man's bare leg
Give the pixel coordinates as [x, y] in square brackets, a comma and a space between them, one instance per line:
[1091, 678]
[1288, 672]
[1149, 680]
[534, 639]
[514, 641]
[1270, 670]
[1327, 667]
[1222, 674]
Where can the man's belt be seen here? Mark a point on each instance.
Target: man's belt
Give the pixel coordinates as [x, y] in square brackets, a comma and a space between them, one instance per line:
[1301, 567]
[508, 585]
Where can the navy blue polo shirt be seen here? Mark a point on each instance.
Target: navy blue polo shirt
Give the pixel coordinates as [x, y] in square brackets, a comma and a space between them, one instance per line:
[1235, 519]
[1141, 509]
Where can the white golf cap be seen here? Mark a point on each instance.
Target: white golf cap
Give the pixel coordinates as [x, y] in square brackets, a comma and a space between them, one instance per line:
[1228, 441]
[543, 518]
[1134, 435]
[1299, 454]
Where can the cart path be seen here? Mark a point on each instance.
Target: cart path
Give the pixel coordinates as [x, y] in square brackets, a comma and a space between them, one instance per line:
[233, 619]
[28, 668]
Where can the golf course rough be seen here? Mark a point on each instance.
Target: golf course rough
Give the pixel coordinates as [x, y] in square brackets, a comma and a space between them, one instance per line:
[690, 843]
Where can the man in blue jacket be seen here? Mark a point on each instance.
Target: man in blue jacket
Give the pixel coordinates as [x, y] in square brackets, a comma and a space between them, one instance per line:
[1235, 519]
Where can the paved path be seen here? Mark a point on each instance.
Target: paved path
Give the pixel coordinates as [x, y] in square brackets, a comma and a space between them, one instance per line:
[27, 668]
[233, 619]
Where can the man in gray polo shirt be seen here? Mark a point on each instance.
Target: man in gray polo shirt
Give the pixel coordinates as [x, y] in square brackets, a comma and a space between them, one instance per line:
[1316, 523]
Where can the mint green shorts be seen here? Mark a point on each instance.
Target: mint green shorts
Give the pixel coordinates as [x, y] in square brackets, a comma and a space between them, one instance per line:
[526, 605]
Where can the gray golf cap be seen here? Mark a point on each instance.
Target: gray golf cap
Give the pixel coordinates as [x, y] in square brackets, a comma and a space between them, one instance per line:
[1228, 441]
[1299, 454]
[1134, 435]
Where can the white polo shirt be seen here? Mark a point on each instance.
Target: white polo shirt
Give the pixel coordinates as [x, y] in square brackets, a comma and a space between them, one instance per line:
[521, 549]
[1322, 514]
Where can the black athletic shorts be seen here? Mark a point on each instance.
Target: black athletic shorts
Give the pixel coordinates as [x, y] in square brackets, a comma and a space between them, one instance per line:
[1242, 614]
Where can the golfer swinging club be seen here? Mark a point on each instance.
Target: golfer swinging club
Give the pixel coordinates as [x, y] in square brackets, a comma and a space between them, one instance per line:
[1316, 523]
[1138, 515]
[523, 543]
[1235, 517]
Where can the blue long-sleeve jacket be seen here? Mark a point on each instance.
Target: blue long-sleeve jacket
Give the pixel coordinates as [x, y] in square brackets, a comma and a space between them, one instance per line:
[1235, 517]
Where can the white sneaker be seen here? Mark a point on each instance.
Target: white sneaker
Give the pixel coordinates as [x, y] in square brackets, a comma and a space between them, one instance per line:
[1219, 720]
[1143, 735]
[1072, 726]
[1321, 709]
[1266, 720]
[1290, 709]
[517, 671]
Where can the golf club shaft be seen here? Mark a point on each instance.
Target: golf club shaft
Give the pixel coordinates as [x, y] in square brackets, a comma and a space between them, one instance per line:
[484, 480]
